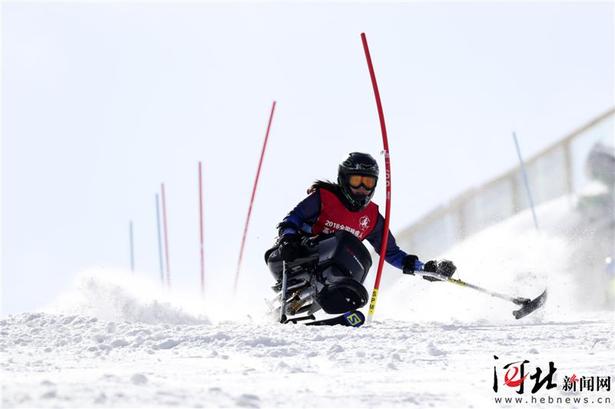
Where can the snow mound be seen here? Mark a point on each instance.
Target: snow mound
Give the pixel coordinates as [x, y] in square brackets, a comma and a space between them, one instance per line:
[566, 256]
[122, 296]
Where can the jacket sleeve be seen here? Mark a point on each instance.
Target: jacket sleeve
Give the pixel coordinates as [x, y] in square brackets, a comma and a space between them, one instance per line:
[302, 217]
[394, 255]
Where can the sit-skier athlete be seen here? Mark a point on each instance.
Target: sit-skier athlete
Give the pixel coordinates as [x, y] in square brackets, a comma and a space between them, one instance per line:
[345, 212]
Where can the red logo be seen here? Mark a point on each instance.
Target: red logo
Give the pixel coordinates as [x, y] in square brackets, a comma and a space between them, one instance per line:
[511, 381]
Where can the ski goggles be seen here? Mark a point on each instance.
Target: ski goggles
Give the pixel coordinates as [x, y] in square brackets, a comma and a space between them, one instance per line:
[357, 180]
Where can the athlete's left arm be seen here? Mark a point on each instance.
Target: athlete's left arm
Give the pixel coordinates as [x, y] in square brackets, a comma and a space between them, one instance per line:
[394, 255]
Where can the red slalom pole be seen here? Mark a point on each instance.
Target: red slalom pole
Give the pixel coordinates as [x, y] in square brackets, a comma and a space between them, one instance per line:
[387, 162]
[258, 172]
[166, 235]
[201, 228]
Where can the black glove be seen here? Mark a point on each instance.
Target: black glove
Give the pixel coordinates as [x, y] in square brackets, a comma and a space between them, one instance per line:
[445, 268]
[290, 247]
[409, 266]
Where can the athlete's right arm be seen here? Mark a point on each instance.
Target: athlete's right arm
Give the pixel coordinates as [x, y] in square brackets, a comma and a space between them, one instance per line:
[302, 217]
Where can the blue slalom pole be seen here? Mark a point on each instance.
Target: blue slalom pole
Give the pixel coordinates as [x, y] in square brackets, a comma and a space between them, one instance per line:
[159, 239]
[525, 181]
[132, 248]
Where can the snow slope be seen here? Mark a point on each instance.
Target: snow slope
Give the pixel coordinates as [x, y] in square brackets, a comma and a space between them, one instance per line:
[566, 256]
[118, 340]
[76, 361]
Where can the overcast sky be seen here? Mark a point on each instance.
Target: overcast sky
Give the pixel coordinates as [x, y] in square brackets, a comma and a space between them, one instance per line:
[103, 102]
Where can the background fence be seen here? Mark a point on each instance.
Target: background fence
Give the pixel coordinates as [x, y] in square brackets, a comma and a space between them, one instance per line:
[556, 171]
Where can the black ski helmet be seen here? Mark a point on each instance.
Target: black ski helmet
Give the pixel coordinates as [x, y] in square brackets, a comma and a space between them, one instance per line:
[357, 164]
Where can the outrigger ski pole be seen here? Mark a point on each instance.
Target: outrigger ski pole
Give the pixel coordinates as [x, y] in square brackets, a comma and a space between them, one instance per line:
[527, 305]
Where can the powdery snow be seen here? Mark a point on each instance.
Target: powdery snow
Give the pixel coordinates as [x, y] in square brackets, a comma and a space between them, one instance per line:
[78, 361]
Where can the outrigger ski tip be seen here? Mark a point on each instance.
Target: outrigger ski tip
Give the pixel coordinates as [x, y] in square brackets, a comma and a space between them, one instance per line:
[529, 306]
